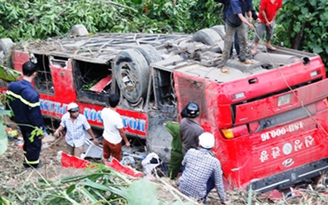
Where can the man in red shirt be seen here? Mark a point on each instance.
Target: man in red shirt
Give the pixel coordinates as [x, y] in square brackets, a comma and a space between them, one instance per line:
[268, 12]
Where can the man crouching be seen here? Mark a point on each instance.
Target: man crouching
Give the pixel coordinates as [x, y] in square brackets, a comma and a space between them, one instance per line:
[202, 171]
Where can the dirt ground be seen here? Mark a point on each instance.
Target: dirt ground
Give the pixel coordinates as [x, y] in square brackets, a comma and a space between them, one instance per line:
[13, 172]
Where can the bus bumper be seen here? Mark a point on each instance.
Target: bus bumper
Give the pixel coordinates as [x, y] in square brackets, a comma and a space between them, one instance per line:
[290, 177]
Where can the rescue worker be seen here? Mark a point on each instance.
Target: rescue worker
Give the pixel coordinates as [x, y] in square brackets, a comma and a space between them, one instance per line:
[176, 147]
[190, 129]
[75, 124]
[202, 171]
[24, 101]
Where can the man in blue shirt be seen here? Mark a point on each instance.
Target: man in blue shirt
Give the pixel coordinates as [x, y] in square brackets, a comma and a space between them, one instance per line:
[24, 102]
[235, 20]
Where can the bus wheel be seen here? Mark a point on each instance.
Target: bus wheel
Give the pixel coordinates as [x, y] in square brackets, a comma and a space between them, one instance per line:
[5, 45]
[131, 71]
[150, 53]
[79, 30]
[220, 30]
[207, 36]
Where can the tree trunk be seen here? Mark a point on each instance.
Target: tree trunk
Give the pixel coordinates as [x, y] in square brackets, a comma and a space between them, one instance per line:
[298, 39]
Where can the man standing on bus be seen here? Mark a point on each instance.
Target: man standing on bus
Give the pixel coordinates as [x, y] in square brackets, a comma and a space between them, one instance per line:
[190, 129]
[234, 23]
[202, 171]
[267, 15]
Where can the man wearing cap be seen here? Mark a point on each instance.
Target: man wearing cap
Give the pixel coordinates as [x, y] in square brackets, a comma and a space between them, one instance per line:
[202, 171]
[24, 101]
[190, 129]
[75, 124]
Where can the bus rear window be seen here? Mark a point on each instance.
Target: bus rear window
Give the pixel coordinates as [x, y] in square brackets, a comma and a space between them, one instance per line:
[275, 106]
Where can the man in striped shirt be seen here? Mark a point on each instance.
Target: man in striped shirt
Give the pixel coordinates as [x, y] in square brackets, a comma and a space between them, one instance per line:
[202, 171]
[75, 124]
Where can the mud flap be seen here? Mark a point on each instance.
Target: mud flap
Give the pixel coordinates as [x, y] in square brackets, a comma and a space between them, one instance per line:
[69, 161]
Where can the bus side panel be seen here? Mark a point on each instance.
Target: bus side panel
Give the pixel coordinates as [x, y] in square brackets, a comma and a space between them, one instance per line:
[19, 58]
[64, 89]
[63, 82]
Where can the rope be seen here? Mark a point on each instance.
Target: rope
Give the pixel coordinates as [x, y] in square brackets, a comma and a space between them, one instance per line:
[291, 89]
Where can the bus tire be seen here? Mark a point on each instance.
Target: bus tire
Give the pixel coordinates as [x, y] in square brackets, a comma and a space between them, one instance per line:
[150, 53]
[207, 36]
[79, 30]
[131, 71]
[220, 30]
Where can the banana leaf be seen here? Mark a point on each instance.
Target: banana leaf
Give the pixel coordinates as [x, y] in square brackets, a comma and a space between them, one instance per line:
[9, 74]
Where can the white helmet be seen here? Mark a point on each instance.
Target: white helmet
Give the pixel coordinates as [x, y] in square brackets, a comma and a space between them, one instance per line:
[206, 140]
[72, 107]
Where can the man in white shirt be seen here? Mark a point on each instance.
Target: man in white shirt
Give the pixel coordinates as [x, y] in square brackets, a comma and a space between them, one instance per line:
[113, 130]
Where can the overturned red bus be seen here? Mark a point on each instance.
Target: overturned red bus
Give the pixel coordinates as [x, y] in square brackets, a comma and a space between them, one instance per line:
[269, 117]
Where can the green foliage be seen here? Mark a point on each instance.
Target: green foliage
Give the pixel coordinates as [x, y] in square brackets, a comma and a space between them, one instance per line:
[41, 19]
[99, 185]
[36, 133]
[21, 20]
[302, 25]
[204, 14]
[9, 74]
[147, 197]
[4, 201]
[89, 85]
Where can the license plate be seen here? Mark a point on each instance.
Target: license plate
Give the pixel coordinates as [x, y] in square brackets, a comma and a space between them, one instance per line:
[284, 100]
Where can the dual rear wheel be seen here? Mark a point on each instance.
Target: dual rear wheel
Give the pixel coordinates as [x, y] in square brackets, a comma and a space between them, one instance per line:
[132, 71]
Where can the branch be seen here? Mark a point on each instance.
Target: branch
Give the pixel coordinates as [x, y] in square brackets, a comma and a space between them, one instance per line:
[120, 5]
